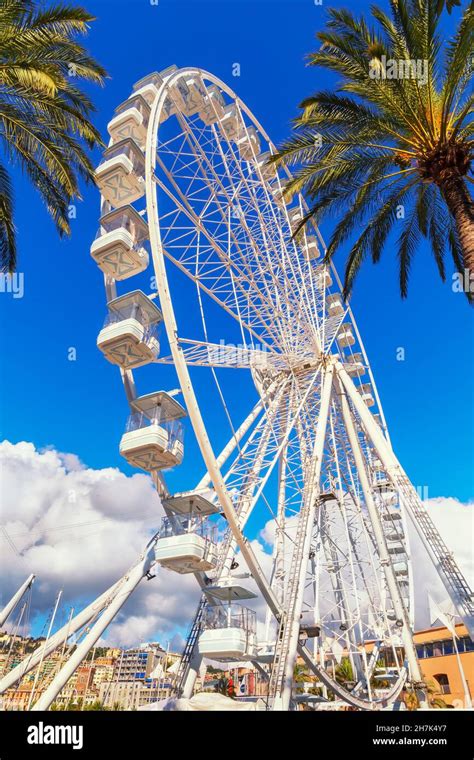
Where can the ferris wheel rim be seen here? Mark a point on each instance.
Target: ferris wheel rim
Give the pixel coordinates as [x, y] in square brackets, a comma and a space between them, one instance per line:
[162, 281]
[203, 73]
[153, 220]
[181, 367]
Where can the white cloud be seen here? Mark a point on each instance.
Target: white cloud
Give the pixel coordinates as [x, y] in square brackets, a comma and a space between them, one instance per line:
[80, 529]
[455, 522]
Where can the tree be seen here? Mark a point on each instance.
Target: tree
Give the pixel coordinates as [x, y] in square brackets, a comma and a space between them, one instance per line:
[96, 705]
[377, 682]
[390, 149]
[44, 115]
[299, 677]
[344, 673]
[434, 697]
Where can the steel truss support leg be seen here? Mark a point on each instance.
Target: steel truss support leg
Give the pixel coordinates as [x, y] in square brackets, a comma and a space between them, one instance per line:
[454, 581]
[131, 582]
[340, 596]
[10, 606]
[247, 504]
[192, 674]
[380, 541]
[290, 634]
[58, 638]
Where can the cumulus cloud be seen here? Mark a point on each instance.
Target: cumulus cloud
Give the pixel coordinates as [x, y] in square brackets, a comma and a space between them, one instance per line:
[80, 529]
[455, 522]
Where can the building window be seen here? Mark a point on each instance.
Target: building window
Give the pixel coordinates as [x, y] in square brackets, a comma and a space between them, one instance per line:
[448, 647]
[443, 682]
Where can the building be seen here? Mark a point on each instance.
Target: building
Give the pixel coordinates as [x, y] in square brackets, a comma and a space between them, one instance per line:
[437, 657]
[104, 671]
[113, 652]
[131, 677]
[85, 677]
[131, 695]
[138, 664]
[19, 699]
[439, 663]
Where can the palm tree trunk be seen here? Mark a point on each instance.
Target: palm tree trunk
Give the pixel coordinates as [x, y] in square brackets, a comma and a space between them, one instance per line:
[461, 207]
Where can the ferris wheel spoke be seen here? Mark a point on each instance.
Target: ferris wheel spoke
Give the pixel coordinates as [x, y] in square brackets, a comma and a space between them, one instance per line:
[257, 247]
[347, 622]
[269, 237]
[252, 208]
[222, 263]
[354, 525]
[215, 281]
[227, 356]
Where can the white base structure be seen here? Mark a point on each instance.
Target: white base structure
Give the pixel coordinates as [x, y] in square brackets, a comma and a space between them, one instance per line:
[311, 249]
[125, 343]
[120, 175]
[129, 337]
[131, 121]
[345, 336]
[118, 183]
[118, 248]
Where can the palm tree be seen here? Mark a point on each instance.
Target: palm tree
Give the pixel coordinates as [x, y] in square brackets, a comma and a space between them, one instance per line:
[299, 677]
[390, 148]
[95, 706]
[44, 115]
[435, 700]
[344, 673]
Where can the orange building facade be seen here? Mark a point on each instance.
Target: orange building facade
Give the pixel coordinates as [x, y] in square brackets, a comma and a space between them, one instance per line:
[439, 663]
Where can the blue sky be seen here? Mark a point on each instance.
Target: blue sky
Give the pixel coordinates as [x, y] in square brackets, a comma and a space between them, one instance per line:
[79, 406]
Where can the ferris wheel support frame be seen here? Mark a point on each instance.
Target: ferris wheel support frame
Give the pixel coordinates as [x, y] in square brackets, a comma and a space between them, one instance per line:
[283, 699]
[131, 582]
[445, 565]
[379, 536]
[311, 456]
[176, 352]
[339, 591]
[79, 621]
[11, 605]
[191, 670]
[181, 367]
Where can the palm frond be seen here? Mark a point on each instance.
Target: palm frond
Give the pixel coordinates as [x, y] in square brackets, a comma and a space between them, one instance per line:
[44, 114]
[7, 228]
[379, 138]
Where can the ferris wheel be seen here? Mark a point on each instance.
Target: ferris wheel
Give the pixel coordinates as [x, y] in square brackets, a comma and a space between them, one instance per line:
[208, 289]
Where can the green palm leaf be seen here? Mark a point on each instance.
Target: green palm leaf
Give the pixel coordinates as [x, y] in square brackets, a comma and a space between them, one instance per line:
[379, 142]
[44, 115]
